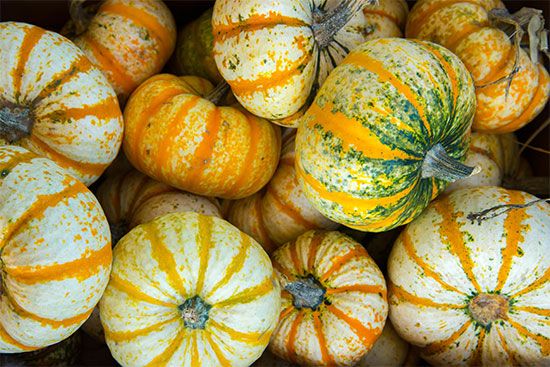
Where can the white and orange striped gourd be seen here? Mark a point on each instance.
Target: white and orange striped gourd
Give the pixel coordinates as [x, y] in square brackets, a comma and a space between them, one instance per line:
[55, 252]
[465, 28]
[129, 41]
[55, 103]
[389, 350]
[333, 300]
[386, 19]
[189, 290]
[474, 293]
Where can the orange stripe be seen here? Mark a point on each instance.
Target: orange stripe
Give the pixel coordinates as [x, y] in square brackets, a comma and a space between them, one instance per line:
[33, 34]
[538, 338]
[163, 357]
[296, 263]
[251, 337]
[325, 354]
[85, 267]
[499, 68]
[289, 209]
[478, 353]
[342, 260]
[291, 341]
[535, 285]
[314, 245]
[449, 229]
[510, 353]
[368, 10]
[134, 292]
[249, 294]
[108, 63]
[514, 230]
[455, 39]
[378, 68]
[287, 311]
[15, 160]
[92, 169]
[267, 244]
[79, 65]
[409, 248]
[535, 310]
[368, 336]
[217, 351]
[204, 240]
[401, 294]
[283, 270]
[437, 347]
[363, 288]
[104, 110]
[8, 339]
[124, 336]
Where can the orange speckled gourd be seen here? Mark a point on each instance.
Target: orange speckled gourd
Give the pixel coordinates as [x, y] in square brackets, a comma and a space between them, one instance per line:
[55, 252]
[54, 102]
[333, 300]
[189, 290]
[464, 27]
[386, 19]
[129, 41]
[177, 136]
[475, 294]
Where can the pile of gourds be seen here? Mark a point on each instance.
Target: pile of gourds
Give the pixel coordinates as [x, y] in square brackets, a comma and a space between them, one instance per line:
[244, 212]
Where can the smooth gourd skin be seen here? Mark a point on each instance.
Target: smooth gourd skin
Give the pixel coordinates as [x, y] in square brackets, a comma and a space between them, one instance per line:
[129, 41]
[389, 350]
[361, 145]
[442, 261]
[76, 119]
[386, 19]
[464, 28]
[176, 136]
[55, 252]
[354, 308]
[159, 265]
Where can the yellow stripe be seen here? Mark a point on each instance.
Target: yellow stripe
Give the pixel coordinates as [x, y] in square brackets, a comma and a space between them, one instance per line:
[251, 337]
[249, 294]
[401, 294]
[437, 347]
[163, 357]
[8, 339]
[204, 241]
[195, 356]
[32, 36]
[219, 354]
[543, 341]
[535, 285]
[124, 336]
[537, 311]
[133, 292]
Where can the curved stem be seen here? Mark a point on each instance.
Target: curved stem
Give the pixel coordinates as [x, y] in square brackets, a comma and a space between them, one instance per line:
[306, 293]
[495, 211]
[439, 164]
[217, 94]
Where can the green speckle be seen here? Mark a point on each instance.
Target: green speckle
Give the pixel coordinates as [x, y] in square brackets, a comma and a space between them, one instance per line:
[4, 173]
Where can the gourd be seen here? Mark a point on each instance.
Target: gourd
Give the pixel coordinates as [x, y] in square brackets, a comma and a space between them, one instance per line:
[55, 252]
[333, 300]
[389, 350]
[128, 40]
[370, 150]
[177, 135]
[472, 290]
[386, 19]
[55, 103]
[189, 289]
[467, 28]
[275, 55]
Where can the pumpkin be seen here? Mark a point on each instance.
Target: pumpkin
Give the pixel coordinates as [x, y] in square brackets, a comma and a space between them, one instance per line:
[193, 54]
[465, 28]
[55, 103]
[474, 292]
[281, 212]
[386, 19]
[370, 149]
[55, 251]
[129, 41]
[189, 289]
[333, 300]
[176, 135]
[389, 350]
[274, 55]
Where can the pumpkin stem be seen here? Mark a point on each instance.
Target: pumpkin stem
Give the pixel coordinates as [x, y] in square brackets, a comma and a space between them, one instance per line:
[439, 164]
[486, 308]
[194, 312]
[216, 94]
[326, 25]
[306, 292]
[495, 211]
[81, 16]
[16, 122]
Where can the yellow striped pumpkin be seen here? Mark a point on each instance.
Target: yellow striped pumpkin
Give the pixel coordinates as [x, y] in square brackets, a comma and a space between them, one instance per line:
[189, 289]
[386, 19]
[129, 41]
[333, 300]
[55, 252]
[370, 147]
[55, 103]
[176, 135]
[275, 54]
[472, 293]
[464, 27]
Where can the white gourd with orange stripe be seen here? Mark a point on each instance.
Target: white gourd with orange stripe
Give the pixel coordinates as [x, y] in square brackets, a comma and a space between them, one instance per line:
[333, 300]
[189, 290]
[386, 19]
[54, 102]
[55, 252]
[129, 40]
[470, 293]
[389, 350]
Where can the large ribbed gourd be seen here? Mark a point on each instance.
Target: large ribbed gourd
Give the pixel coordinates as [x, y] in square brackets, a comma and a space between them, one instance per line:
[465, 28]
[55, 103]
[189, 290]
[475, 293]
[55, 252]
[385, 133]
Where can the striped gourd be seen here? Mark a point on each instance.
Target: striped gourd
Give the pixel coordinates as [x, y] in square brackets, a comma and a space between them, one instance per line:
[55, 252]
[389, 350]
[370, 147]
[465, 28]
[55, 103]
[386, 19]
[475, 293]
[189, 290]
[177, 135]
[129, 41]
[333, 300]
[280, 212]
[275, 54]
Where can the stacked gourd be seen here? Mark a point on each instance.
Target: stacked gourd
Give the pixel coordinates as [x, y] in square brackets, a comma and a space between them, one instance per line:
[383, 129]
